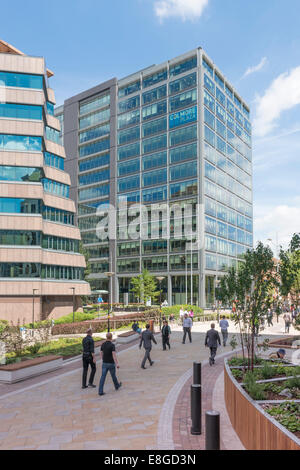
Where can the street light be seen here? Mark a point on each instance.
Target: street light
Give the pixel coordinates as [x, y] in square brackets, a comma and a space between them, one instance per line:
[33, 294]
[73, 289]
[160, 279]
[109, 275]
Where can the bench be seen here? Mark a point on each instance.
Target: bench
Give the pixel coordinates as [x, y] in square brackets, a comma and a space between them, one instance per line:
[127, 337]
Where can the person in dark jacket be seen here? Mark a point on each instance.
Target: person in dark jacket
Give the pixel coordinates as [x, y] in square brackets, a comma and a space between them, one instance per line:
[212, 339]
[146, 338]
[88, 359]
[165, 334]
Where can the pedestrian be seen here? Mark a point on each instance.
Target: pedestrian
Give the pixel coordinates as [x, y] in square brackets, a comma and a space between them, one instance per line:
[287, 322]
[181, 314]
[212, 339]
[191, 314]
[270, 317]
[224, 326]
[146, 338]
[136, 328]
[294, 315]
[88, 359]
[165, 332]
[187, 326]
[109, 363]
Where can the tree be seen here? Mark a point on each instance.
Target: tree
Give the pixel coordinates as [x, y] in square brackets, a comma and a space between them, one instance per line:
[144, 287]
[250, 288]
[289, 270]
[87, 270]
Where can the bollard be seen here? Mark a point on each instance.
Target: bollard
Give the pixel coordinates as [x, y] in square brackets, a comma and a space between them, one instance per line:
[212, 430]
[196, 409]
[197, 373]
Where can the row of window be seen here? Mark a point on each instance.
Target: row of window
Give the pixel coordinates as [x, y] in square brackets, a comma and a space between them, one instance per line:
[215, 227]
[20, 143]
[53, 135]
[217, 158]
[21, 80]
[94, 177]
[20, 173]
[36, 270]
[54, 160]
[94, 147]
[158, 263]
[93, 193]
[90, 207]
[34, 238]
[21, 111]
[94, 118]
[97, 102]
[221, 263]
[227, 215]
[157, 77]
[94, 162]
[54, 187]
[94, 133]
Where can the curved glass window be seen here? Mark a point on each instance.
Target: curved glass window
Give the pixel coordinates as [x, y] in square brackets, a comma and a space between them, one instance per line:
[129, 104]
[21, 111]
[93, 193]
[186, 152]
[128, 135]
[186, 170]
[54, 160]
[182, 83]
[91, 105]
[182, 67]
[155, 78]
[156, 109]
[154, 160]
[183, 99]
[153, 127]
[20, 238]
[128, 151]
[21, 80]
[94, 162]
[95, 147]
[155, 94]
[94, 133]
[20, 173]
[94, 177]
[155, 177]
[94, 118]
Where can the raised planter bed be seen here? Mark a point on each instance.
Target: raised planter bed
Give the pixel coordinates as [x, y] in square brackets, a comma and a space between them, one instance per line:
[255, 427]
[19, 371]
[285, 342]
[127, 337]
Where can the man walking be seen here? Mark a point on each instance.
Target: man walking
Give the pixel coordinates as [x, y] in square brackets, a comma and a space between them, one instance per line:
[224, 326]
[165, 332]
[110, 362]
[187, 326]
[287, 322]
[212, 339]
[146, 338]
[88, 359]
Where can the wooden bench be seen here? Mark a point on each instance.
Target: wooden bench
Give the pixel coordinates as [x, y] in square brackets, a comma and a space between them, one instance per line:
[19, 371]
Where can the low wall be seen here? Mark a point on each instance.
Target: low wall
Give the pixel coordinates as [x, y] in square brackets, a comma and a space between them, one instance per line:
[256, 429]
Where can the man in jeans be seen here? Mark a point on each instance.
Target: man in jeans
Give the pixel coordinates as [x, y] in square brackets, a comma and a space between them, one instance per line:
[110, 362]
[187, 326]
[88, 359]
[224, 325]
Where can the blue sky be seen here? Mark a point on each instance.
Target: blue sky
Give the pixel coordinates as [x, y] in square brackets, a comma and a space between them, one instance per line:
[256, 44]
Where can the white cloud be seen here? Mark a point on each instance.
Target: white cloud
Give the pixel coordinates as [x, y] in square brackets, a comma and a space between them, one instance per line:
[183, 9]
[282, 95]
[255, 68]
[281, 221]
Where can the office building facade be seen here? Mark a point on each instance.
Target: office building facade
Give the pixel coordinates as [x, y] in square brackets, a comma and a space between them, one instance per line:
[41, 270]
[175, 134]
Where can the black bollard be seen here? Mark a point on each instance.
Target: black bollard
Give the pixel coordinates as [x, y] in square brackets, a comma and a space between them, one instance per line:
[197, 373]
[196, 409]
[212, 430]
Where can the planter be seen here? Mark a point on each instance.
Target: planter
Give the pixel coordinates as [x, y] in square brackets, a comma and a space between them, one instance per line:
[19, 371]
[128, 337]
[286, 342]
[256, 429]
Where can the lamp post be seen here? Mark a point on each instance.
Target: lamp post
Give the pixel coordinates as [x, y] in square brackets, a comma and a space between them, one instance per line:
[109, 275]
[33, 295]
[160, 279]
[73, 289]
[217, 283]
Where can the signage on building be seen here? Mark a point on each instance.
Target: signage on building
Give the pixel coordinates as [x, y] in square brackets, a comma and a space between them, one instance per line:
[183, 117]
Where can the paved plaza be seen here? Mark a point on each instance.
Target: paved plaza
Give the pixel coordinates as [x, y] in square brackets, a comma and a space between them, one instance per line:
[150, 411]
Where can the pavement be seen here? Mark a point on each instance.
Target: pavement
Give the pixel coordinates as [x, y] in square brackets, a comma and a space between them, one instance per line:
[150, 411]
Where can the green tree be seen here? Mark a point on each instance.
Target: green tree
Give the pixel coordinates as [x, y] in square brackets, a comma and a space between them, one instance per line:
[250, 287]
[144, 287]
[87, 270]
[289, 270]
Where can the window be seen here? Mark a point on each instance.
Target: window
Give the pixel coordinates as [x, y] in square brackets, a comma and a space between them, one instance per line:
[239, 117]
[208, 68]
[129, 89]
[155, 177]
[52, 134]
[219, 80]
[209, 118]
[155, 94]
[21, 80]
[154, 110]
[183, 99]
[211, 262]
[221, 114]
[97, 102]
[187, 152]
[209, 136]
[94, 118]
[128, 183]
[230, 107]
[221, 145]
[54, 160]
[155, 78]
[209, 189]
[129, 134]
[129, 249]
[20, 173]
[155, 246]
[237, 102]
[183, 66]
[20, 270]
[154, 143]
[231, 233]
[95, 162]
[58, 215]
[128, 265]
[210, 243]
[183, 135]
[94, 177]
[155, 194]
[221, 129]
[128, 119]
[93, 193]
[220, 97]
[222, 246]
[229, 92]
[185, 170]
[181, 262]
[128, 151]
[128, 167]
[95, 147]
[154, 127]
[209, 84]
[50, 108]
[221, 229]
[209, 101]
[94, 133]
[210, 207]
[210, 225]
[182, 83]
[154, 160]
[20, 238]
[210, 171]
[56, 188]
[129, 104]
[187, 188]
[209, 153]
[21, 111]
[183, 117]
[20, 143]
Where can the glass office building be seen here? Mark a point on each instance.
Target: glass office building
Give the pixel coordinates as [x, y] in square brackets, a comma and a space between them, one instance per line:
[41, 269]
[174, 134]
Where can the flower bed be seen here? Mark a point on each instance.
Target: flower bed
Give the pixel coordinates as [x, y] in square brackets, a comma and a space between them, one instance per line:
[26, 369]
[260, 421]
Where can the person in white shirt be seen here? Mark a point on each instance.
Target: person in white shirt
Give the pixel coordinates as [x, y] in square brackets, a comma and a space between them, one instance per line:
[181, 314]
[187, 326]
[224, 325]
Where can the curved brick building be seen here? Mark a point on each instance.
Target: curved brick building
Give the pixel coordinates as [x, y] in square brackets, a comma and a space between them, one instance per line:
[41, 270]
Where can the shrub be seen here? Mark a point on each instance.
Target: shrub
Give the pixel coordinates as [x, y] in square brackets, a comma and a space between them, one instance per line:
[267, 371]
[255, 390]
[174, 309]
[293, 382]
[34, 348]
